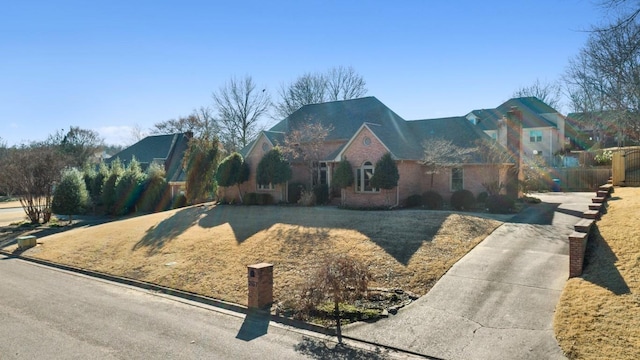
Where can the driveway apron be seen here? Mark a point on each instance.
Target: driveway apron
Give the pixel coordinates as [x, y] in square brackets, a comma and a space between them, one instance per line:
[498, 301]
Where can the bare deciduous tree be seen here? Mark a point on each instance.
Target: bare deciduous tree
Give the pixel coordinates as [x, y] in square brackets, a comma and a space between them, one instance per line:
[305, 144]
[338, 83]
[548, 92]
[77, 145]
[625, 11]
[440, 154]
[339, 279]
[307, 89]
[240, 107]
[29, 172]
[137, 133]
[605, 76]
[497, 162]
[200, 122]
[343, 83]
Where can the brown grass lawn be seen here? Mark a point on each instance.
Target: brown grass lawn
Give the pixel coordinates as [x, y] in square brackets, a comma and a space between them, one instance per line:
[598, 316]
[205, 249]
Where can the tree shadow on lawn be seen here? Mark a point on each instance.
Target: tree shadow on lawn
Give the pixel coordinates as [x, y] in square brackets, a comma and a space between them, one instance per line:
[381, 227]
[318, 349]
[600, 268]
[9, 233]
[158, 235]
[399, 241]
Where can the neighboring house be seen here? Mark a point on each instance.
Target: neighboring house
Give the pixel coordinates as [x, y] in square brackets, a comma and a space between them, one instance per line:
[585, 129]
[164, 150]
[363, 131]
[543, 128]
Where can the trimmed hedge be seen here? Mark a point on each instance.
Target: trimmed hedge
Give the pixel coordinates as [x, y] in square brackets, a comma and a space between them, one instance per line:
[432, 200]
[258, 199]
[179, 201]
[413, 201]
[500, 204]
[463, 200]
[482, 197]
[321, 193]
[295, 192]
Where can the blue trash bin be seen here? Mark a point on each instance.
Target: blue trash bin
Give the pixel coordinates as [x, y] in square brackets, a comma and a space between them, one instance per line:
[556, 185]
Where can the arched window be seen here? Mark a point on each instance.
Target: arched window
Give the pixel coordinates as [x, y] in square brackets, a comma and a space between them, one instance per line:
[363, 178]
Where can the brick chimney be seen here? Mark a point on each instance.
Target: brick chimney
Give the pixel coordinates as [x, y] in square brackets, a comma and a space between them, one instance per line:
[514, 146]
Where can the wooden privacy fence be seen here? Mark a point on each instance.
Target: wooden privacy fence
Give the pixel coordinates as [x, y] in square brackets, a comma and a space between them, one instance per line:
[580, 179]
[626, 167]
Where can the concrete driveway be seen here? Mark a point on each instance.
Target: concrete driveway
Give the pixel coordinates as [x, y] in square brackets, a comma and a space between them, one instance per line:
[498, 301]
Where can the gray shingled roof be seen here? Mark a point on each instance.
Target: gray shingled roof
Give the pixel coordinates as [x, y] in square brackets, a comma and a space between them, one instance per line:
[459, 130]
[168, 148]
[403, 138]
[347, 116]
[487, 118]
[532, 110]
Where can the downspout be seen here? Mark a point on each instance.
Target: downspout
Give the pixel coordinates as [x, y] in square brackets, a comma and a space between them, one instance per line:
[397, 194]
[550, 146]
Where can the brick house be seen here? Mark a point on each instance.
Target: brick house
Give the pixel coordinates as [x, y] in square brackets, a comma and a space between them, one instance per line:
[363, 130]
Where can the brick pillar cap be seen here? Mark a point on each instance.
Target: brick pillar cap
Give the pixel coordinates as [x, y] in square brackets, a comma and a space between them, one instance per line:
[259, 266]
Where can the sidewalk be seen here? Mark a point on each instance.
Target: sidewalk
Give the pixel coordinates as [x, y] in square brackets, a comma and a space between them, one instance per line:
[498, 301]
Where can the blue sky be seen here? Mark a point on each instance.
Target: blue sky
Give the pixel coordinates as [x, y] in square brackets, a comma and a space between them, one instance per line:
[111, 65]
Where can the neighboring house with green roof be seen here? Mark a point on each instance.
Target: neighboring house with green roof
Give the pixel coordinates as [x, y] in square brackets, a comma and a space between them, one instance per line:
[363, 130]
[606, 128]
[164, 150]
[543, 127]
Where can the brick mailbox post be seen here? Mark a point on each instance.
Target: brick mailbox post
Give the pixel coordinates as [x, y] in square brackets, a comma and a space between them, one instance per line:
[260, 282]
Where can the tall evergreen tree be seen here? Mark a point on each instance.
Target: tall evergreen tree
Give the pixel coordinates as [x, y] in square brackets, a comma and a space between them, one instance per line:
[233, 171]
[343, 177]
[273, 168]
[200, 163]
[70, 196]
[385, 174]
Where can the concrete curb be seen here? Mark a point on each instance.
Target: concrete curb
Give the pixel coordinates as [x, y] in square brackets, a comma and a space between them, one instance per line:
[208, 301]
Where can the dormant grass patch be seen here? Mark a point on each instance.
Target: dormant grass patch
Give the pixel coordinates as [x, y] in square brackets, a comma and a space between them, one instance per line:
[598, 316]
[205, 249]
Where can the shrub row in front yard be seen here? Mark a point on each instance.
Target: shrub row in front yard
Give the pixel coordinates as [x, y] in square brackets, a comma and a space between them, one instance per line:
[464, 200]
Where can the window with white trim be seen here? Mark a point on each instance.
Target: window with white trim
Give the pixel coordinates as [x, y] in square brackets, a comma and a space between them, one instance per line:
[535, 136]
[457, 179]
[363, 178]
[268, 186]
[320, 173]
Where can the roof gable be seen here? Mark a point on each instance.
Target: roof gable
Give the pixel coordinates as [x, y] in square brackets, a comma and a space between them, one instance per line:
[274, 138]
[168, 149]
[532, 111]
[346, 118]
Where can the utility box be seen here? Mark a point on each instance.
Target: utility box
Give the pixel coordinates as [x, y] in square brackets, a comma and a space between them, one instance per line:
[260, 282]
[25, 242]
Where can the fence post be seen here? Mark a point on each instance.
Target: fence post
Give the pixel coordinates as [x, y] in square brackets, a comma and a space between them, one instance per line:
[617, 166]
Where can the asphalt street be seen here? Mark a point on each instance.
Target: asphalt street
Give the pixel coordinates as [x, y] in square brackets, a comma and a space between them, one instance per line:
[47, 313]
